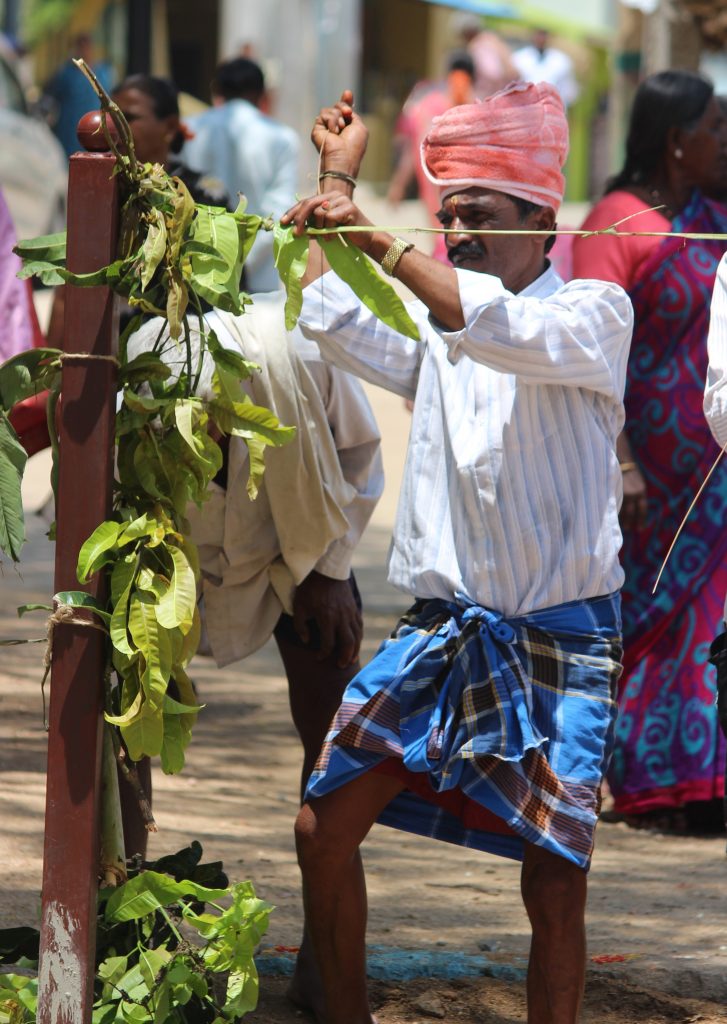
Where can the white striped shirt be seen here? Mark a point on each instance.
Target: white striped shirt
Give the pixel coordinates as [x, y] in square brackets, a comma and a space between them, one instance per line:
[511, 487]
[715, 393]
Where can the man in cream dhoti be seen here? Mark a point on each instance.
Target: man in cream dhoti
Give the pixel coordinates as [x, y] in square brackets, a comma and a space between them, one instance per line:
[486, 719]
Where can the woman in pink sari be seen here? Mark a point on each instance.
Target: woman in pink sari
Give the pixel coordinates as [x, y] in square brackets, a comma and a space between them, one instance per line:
[19, 328]
[667, 770]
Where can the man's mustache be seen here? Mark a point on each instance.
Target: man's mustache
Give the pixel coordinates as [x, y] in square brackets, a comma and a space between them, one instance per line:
[466, 250]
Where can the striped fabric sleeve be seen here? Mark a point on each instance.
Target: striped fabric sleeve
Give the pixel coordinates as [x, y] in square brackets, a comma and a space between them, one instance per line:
[352, 338]
[577, 337]
[715, 394]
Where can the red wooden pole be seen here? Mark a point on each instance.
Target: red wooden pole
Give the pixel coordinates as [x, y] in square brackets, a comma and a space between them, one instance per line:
[71, 851]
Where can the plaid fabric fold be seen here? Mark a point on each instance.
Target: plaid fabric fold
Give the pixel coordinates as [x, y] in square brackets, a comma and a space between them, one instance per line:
[516, 716]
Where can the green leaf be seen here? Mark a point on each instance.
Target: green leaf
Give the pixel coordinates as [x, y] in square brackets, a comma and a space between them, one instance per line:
[177, 301]
[45, 247]
[151, 890]
[112, 969]
[153, 582]
[190, 641]
[162, 1001]
[80, 599]
[42, 257]
[152, 474]
[231, 368]
[122, 578]
[130, 714]
[144, 403]
[183, 211]
[47, 273]
[291, 258]
[176, 607]
[13, 458]
[242, 992]
[143, 526]
[95, 278]
[173, 707]
[216, 278]
[97, 550]
[359, 273]
[144, 735]
[186, 410]
[153, 642]
[23, 609]
[256, 456]
[154, 247]
[175, 741]
[244, 419]
[151, 962]
[251, 224]
[26, 374]
[144, 367]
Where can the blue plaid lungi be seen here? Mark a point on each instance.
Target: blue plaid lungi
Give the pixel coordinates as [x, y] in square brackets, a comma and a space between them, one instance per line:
[517, 715]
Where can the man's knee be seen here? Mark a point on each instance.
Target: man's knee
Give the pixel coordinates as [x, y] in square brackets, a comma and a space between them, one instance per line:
[553, 889]
[319, 845]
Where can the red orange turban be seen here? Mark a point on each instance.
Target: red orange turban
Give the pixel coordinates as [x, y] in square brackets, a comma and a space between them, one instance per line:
[515, 141]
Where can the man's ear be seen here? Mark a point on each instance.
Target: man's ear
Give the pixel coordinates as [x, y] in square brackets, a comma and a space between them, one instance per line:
[544, 219]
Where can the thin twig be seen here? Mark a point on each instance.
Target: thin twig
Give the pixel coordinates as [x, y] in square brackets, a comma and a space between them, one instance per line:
[130, 774]
[122, 125]
[688, 513]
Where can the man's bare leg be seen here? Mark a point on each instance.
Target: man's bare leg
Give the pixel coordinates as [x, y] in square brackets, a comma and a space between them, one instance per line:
[315, 689]
[329, 831]
[554, 893]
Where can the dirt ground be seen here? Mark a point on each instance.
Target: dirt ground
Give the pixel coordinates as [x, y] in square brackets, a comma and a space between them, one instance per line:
[657, 922]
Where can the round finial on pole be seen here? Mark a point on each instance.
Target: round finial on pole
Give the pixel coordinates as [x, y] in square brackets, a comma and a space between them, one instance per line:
[91, 134]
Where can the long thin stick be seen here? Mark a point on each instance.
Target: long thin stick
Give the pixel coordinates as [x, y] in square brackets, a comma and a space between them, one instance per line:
[688, 512]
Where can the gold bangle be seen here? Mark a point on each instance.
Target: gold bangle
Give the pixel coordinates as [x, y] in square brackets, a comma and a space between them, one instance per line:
[393, 254]
[625, 467]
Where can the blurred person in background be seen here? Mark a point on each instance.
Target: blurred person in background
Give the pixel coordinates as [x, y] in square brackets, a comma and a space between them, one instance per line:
[250, 153]
[541, 62]
[19, 328]
[718, 190]
[72, 94]
[667, 769]
[414, 122]
[494, 66]
[151, 106]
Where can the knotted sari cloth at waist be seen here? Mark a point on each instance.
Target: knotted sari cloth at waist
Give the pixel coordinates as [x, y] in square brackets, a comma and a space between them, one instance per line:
[514, 715]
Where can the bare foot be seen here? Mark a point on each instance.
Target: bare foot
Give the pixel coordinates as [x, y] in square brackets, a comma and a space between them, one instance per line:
[305, 990]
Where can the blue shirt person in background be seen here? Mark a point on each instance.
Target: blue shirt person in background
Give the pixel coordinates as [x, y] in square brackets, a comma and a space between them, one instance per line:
[250, 153]
[72, 94]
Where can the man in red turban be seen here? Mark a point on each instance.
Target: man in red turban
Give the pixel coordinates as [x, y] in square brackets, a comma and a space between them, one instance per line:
[515, 142]
[487, 717]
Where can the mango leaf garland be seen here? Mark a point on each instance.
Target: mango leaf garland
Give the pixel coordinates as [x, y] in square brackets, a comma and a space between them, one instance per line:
[173, 257]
